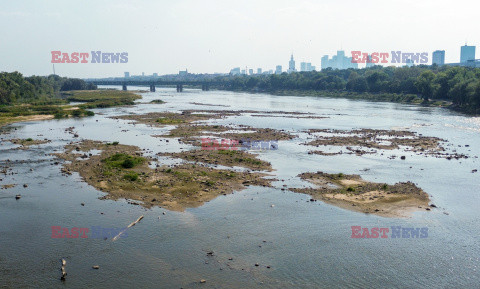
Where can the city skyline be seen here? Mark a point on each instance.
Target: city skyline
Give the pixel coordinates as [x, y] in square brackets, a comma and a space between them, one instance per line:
[214, 36]
[342, 61]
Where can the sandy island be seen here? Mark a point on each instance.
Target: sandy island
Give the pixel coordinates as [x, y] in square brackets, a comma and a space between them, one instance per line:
[122, 172]
[353, 193]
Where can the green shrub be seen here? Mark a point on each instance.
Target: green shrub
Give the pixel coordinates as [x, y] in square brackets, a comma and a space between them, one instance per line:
[76, 113]
[59, 115]
[131, 176]
[128, 164]
[121, 160]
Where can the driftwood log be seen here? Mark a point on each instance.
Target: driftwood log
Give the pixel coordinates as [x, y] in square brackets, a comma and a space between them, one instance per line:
[132, 224]
[64, 273]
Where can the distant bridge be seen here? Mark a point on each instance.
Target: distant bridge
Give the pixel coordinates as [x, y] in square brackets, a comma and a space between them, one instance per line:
[205, 84]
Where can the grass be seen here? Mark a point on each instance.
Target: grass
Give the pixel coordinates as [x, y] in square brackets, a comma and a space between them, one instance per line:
[101, 98]
[10, 113]
[121, 160]
[131, 176]
[247, 160]
[167, 120]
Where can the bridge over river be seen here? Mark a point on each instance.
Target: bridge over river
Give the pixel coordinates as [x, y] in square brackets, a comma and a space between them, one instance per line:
[205, 84]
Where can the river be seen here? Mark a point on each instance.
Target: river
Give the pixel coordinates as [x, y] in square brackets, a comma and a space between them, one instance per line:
[304, 244]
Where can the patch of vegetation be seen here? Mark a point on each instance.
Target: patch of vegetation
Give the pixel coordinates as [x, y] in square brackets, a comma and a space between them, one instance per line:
[88, 113]
[131, 176]
[249, 161]
[60, 115]
[36, 90]
[158, 101]
[166, 120]
[121, 160]
[102, 98]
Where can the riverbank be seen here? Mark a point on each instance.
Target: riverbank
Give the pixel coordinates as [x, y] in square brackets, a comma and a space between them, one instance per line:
[375, 97]
[60, 108]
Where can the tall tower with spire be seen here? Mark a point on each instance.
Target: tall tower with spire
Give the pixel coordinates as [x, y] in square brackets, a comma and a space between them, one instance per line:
[291, 65]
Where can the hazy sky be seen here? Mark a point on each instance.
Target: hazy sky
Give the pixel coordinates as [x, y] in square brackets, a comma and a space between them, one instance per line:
[214, 36]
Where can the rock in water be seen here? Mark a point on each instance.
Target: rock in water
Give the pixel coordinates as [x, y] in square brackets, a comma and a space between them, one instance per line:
[18, 197]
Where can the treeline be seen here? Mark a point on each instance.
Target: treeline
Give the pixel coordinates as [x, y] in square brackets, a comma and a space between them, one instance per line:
[459, 85]
[15, 88]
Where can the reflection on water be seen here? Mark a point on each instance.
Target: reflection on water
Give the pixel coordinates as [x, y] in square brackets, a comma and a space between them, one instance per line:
[304, 244]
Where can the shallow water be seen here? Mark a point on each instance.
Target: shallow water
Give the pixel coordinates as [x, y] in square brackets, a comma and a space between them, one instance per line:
[308, 244]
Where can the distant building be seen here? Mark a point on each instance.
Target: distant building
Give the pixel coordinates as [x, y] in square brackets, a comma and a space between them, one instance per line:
[306, 66]
[235, 71]
[339, 61]
[127, 74]
[369, 61]
[409, 63]
[155, 75]
[438, 57]
[278, 69]
[250, 71]
[303, 66]
[259, 71]
[143, 73]
[291, 65]
[467, 53]
[183, 72]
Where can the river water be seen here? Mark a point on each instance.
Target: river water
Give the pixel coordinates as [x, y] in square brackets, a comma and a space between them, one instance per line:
[305, 244]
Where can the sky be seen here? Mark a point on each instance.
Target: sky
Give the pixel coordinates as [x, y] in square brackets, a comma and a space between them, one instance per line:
[210, 36]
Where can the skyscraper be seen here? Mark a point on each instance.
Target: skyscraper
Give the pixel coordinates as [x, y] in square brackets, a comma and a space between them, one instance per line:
[339, 61]
[467, 53]
[438, 57]
[303, 66]
[278, 69]
[291, 65]
[259, 71]
[235, 71]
